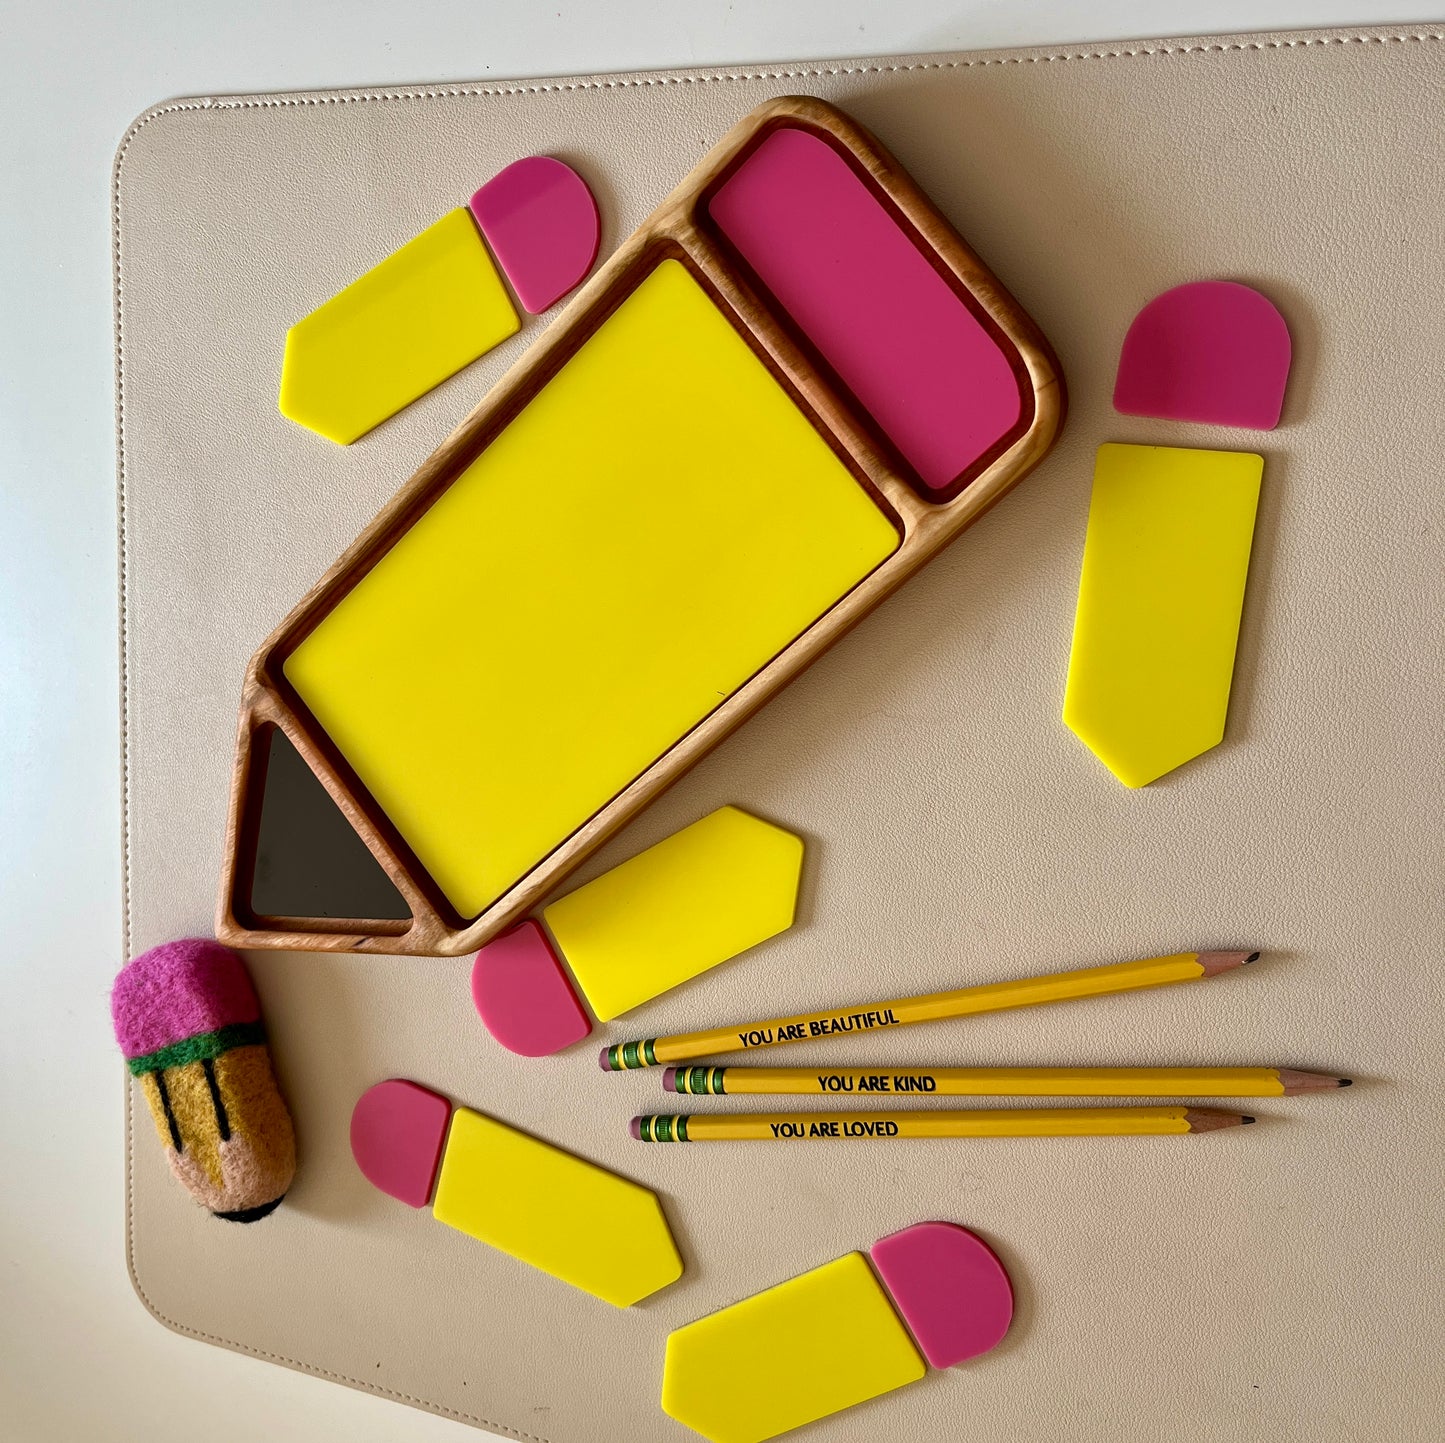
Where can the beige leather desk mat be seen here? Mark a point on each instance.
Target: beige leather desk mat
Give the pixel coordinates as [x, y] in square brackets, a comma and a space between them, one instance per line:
[1277, 1282]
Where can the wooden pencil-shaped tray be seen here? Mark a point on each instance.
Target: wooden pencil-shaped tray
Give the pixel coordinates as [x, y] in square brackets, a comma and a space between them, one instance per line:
[782, 395]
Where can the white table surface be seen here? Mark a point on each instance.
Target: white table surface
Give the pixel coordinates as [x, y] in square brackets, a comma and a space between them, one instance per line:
[79, 1357]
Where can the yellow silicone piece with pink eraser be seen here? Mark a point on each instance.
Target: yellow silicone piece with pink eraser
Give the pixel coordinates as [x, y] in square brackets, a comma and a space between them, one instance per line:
[694, 900]
[440, 301]
[556, 1212]
[845, 1332]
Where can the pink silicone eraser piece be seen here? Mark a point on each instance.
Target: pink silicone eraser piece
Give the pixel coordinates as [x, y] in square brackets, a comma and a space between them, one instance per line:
[669, 1079]
[635, 1128]
[180, 990]
[862, 289]
[541, 222]
[1212, 351]
[397, 1132]
[951, 1290]
[524, 996]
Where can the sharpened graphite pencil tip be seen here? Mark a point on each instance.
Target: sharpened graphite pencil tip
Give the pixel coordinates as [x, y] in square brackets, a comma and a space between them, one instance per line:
[1208, 1119]
[1214, 963]
[1295, 1082]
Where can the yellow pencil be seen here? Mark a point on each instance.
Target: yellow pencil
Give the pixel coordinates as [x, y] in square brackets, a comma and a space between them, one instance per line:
[898, 1126]
[867, 1082]
[933, 1006]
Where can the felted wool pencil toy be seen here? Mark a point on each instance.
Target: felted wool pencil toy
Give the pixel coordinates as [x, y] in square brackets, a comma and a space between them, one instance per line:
[189, 1023]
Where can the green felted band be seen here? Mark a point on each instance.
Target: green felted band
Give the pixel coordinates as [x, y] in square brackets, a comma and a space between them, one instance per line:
[204, 1047]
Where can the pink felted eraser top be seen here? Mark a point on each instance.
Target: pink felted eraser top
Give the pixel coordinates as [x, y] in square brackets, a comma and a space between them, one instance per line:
[951, 1290]
[523, 995]
[1212, 351]
[863, 291]
[180, 990]
[541, 222]
[397, 1133]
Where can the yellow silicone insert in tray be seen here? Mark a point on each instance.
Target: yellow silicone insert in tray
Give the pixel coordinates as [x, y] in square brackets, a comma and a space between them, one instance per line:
[658, 522]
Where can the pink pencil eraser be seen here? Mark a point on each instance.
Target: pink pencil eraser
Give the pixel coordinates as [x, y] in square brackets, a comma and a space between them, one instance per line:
[1212, 351]
[669, 1079]
[180, 990]
[951, 1290]
[397, 1132]
[524, 996]
[541, 222]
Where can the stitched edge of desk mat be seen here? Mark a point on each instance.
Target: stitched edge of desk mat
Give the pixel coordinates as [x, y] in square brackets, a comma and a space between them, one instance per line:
[1123, 50]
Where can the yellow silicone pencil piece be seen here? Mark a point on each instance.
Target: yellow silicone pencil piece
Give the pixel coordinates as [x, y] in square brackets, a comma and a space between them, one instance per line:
[557, 1212]
[1160, 597]
[427, 310]
[697, 898]
[788, 1356]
